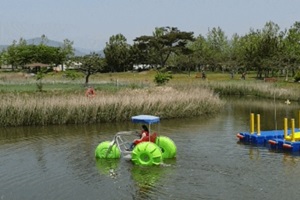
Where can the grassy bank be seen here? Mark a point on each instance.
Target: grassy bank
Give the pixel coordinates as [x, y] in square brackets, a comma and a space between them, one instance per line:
[242, 88]
[122, 95]
[220, 83]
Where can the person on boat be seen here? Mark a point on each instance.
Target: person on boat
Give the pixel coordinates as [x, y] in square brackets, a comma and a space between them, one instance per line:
[144, 133]
[90, 92]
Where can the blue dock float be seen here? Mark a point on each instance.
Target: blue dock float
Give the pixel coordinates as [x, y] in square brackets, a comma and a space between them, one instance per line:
[284, 145]
[262, 138]
[258, 137]
[287, 139]
[290, 140]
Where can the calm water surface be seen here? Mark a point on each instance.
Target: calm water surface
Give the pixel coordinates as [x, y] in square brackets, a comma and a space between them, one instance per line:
[57, 162]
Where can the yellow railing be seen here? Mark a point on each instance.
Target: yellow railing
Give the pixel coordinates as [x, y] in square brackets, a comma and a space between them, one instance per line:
[252, 123]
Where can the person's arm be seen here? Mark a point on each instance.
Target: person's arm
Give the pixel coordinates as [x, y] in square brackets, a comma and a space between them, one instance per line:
[142, 137]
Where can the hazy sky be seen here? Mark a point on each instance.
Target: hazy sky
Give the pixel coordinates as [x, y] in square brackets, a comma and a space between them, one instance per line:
[90, 23]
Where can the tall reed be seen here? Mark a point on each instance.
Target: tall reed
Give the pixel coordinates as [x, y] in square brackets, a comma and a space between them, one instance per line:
[244, 88]
[167, 102]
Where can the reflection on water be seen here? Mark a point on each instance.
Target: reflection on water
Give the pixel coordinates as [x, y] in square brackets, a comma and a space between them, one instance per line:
[57, 162]
[108, 167]
[148, 180]
[272, 111]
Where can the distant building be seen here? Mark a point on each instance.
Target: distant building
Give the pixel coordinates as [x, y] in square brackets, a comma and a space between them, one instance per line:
[141, 66]
[6, 67]
[69, 65]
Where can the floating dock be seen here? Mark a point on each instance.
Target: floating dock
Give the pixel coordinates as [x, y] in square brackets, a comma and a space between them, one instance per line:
[290, 140]
[259, 139]
[287, 139]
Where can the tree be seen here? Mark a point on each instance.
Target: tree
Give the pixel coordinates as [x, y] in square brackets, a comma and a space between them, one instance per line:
[11, 55]
[235, 56]
[269, 46]
[64, 53]
[91, 64]
[54, 55]
[117, 53]
[218, 48]
[200, 56]
[2, 57]
[39, 79]
[20, 54]
[156, 49]
[249, 51]
[184, 61]
[260, 49]
[290, 49]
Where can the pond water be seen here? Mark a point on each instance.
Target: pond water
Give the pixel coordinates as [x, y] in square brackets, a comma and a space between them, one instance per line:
[57, 162]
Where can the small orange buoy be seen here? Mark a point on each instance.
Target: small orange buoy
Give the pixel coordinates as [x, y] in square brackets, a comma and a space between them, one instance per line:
[287, 146]
[272, 142]
[239, 136]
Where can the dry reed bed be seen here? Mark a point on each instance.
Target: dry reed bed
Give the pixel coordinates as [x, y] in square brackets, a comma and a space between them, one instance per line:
[167, 102]
[243, 88]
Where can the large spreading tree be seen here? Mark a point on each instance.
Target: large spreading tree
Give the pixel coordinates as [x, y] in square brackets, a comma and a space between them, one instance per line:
[155, 50]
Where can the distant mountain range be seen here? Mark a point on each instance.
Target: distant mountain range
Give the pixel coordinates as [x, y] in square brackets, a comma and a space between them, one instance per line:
[36, 41]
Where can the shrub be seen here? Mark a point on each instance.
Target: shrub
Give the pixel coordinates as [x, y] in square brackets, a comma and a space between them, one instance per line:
[162, 78]
[297, 77]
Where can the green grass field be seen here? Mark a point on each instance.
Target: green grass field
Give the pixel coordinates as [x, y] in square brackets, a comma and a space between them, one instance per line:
[14, 82]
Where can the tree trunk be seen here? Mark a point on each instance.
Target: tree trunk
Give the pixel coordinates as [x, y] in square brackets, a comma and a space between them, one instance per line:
[87, 79]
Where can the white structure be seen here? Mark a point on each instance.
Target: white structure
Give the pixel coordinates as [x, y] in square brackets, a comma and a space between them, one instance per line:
[68, 65]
